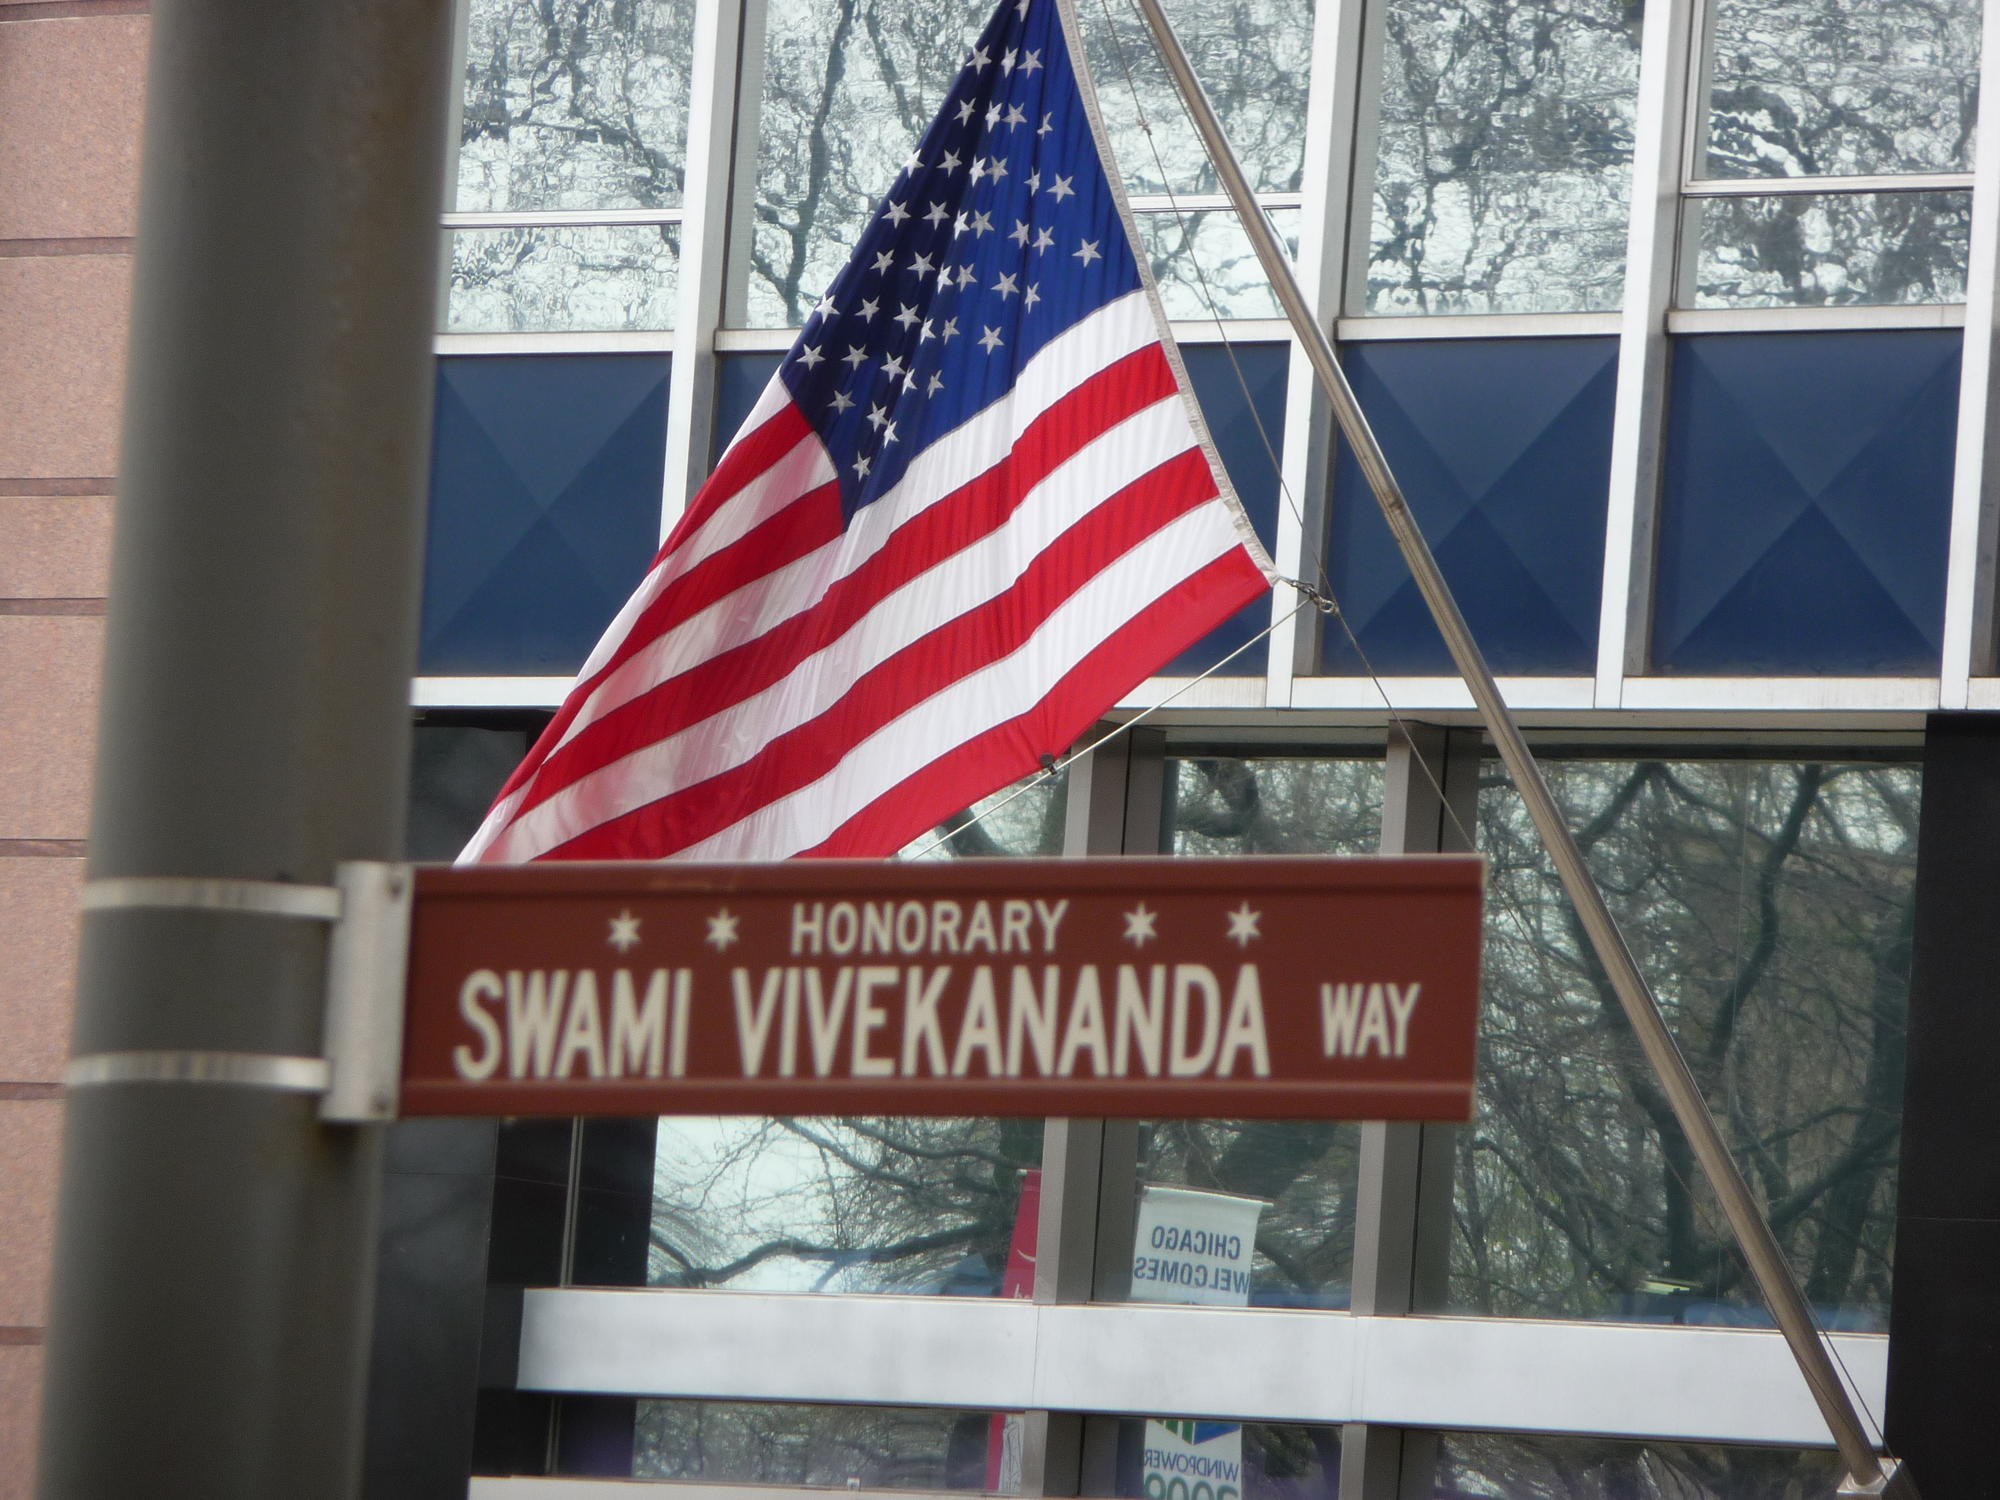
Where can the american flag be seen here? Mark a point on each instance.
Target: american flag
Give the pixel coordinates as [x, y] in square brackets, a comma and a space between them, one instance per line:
[973, 509]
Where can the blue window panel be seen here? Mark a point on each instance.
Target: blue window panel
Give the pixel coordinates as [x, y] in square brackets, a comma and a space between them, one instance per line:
[545, 507]
[1503, 448]
[1806, 504]
[741, 379]
[1235, 406]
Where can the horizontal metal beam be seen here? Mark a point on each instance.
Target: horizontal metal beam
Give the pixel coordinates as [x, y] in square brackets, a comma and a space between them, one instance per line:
[1638, 1380]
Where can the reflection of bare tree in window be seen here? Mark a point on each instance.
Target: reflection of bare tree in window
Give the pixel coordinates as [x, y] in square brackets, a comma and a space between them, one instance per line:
[1573, 1468]
[1771, 905]
[575, 104]
[850, 85]
[1504, 156]
[846, 1205]
[1825, 249]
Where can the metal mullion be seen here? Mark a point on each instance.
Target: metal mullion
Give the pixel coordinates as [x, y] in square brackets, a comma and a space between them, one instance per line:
[562, 218]
[1334, 102]
[711, 136]
[1970, 556]
[1639, 410]
[1783, 187]
[1402, 1207]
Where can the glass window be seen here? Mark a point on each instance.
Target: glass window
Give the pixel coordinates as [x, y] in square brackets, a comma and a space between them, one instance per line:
[552, 279]
[1568, 1468]
[1771, 905]
[1815, 88]
[1193, 1458]
[850, 87]
[1251, 57]
[1831, 249]
[838, 1447]
[1287, 1186]
[820, 1205]
[574, 105]
[1504, 156]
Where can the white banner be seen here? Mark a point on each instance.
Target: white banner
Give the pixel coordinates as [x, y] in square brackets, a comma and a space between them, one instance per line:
[1196, 1248]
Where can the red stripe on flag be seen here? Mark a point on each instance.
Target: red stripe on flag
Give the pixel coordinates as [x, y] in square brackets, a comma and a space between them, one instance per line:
[960, 520]
[906, 679]
[1007, 752]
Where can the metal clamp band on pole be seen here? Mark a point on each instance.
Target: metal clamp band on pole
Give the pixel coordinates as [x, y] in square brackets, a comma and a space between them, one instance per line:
[1760, 1247]
[270, 898]
[260, 1070]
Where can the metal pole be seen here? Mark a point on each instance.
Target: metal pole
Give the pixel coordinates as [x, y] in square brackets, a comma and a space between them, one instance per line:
[1753, 1234]
[208, 1333]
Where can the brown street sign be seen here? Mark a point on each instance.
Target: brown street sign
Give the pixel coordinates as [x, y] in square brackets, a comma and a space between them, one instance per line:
[1309, 988]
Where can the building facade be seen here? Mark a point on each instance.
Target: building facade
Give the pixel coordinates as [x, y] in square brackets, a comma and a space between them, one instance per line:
[1677, 324]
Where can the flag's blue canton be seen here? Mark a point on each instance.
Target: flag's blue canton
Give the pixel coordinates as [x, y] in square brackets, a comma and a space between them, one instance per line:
[999, 233]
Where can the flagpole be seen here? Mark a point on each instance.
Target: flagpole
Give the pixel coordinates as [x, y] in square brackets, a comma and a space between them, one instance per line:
[1867, 1475]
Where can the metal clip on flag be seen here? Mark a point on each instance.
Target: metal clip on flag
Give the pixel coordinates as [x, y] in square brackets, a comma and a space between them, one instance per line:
[974, 508]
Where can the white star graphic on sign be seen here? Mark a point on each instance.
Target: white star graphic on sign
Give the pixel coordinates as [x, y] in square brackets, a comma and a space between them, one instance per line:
[1030, 297]
[1243, 925]
[826, 309]
[990, 340]
[965, 111]
[907, 316]
[938, 214]
[1062, 189]
[722, 929]
[1031, 62]
[810, 356]
[1141, 925]
[1044, 240]
[842, 402]
[897, 213]
[1006, 285]
[1088, 252]
[624, 932]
